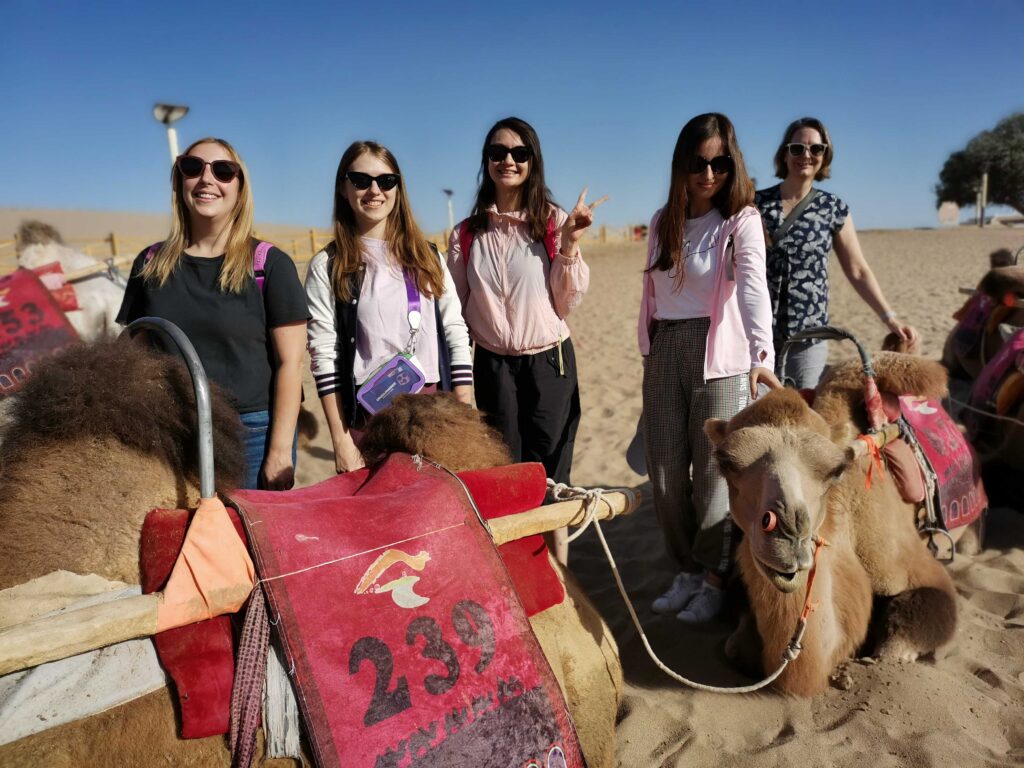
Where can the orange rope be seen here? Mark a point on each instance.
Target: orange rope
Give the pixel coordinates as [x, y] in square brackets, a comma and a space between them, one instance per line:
[808, 607]
[874, 459]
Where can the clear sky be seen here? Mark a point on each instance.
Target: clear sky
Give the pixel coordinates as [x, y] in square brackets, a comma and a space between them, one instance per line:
[607, 85]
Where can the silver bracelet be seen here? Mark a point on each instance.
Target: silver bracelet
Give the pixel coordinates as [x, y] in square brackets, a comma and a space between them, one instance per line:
[888, 317]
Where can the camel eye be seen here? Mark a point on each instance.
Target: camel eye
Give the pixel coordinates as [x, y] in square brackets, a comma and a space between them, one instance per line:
[769, 521]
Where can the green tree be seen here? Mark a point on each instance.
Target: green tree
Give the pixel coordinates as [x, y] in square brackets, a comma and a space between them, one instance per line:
[1001, 153]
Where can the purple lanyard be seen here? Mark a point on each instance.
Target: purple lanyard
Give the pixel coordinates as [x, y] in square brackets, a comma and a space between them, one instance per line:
[412, 295]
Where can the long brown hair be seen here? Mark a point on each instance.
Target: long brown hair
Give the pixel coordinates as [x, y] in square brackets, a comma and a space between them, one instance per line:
[736, 194]
[535, 197]
[403, 236]
[237, 269]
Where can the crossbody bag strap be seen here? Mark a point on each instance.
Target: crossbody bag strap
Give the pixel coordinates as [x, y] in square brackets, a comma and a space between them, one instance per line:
[795, 214]
[412, 295]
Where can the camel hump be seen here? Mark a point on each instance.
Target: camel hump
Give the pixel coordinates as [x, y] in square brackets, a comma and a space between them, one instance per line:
[1002, 281]
[895, 374]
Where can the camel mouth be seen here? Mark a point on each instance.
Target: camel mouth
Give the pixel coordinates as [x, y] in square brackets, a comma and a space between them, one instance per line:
[784, 581]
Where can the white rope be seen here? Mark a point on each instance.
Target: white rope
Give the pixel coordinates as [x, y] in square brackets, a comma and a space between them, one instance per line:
[591, 497]
[968, 407]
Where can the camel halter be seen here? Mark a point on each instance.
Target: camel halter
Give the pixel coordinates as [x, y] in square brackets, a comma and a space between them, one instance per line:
[592, 497]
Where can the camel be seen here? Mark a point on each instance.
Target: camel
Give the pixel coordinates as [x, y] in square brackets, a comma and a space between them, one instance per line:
[99, 298]
[1001, 286]
[104, 433]
[791, 479]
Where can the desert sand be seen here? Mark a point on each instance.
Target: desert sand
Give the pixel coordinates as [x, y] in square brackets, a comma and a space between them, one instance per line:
[963, 708]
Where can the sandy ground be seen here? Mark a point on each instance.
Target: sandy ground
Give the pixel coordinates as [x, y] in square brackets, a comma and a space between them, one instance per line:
[964, 708]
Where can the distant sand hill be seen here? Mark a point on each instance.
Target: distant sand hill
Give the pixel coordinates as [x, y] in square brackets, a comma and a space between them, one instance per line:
[90, 230]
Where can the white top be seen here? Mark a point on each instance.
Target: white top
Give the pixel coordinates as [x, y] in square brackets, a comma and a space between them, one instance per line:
[700, 261]
[383, 325]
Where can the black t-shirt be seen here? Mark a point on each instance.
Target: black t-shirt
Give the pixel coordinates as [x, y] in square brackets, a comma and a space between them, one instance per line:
[230, 331]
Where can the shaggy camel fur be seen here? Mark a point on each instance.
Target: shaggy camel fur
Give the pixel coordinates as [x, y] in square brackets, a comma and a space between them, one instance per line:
[791, 479]
[95, 447]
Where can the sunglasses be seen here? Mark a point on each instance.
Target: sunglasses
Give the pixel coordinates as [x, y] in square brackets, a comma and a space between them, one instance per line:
[191, 166]
[498, 152]
[799, 150]
[719, 165]
[361, 181]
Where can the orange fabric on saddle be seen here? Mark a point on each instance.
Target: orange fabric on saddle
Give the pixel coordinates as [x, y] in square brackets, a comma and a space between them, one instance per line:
[199, 657]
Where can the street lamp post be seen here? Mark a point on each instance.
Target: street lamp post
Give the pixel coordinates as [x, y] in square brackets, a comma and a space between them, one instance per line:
[169, 114]
[451, 213]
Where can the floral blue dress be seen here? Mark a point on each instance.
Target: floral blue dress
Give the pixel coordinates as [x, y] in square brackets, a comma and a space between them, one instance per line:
[797, 267]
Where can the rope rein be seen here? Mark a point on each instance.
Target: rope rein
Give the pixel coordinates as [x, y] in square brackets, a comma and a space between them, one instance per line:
[969, 407]
[594, 496]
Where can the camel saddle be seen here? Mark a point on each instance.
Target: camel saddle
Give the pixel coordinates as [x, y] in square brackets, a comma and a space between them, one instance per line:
[32, 326]
[406, 640]
[999, 388]
[199, 657]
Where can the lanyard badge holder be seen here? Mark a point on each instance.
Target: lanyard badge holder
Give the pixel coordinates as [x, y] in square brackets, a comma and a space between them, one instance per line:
[399, 375]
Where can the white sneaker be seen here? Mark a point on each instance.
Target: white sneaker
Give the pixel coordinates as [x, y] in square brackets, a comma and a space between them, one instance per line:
[704, 605]
[684, 586]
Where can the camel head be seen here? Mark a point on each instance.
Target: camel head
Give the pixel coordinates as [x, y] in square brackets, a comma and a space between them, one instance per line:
[779, 464]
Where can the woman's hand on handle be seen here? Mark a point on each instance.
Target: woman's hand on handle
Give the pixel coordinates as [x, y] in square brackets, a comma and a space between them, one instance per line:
[764, 376]
[579, 221]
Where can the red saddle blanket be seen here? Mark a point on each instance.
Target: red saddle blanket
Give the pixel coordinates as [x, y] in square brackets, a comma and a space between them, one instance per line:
[959, 494]
[408, 642]
[32, 327]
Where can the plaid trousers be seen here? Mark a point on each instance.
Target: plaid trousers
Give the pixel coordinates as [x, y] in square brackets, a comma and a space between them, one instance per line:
[693, 510]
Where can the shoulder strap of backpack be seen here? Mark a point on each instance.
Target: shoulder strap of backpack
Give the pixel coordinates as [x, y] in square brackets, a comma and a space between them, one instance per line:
[466, 236]
[151, 252]
[551, 239]
[259, 263]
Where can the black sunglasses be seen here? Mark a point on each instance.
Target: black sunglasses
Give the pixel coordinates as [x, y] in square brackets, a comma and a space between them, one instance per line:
[191, 166]
[498, 152]
[719, 165]
[361, 181]
[798, 150]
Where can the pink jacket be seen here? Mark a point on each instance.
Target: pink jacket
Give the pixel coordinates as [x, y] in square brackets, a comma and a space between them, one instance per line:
[740, 337]
[515, 300]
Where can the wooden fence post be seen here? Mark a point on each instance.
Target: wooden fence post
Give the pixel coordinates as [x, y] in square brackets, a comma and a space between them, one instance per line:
[113, 244]
[312, 242]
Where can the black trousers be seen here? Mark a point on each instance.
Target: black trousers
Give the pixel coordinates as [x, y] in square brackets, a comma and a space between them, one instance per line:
[534, 401]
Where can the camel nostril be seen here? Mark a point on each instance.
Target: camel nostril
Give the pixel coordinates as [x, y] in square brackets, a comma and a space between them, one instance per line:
[769, 521]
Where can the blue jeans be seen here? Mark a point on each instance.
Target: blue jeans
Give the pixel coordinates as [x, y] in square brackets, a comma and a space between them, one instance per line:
[256, 438]
[805, 362]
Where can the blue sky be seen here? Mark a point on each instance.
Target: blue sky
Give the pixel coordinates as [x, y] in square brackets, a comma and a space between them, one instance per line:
[608, 85]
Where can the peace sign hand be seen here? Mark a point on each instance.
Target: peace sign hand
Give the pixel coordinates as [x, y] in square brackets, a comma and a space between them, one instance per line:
[579, 221]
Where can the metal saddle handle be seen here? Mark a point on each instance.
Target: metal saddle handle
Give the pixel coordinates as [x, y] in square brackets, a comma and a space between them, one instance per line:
[200, 385]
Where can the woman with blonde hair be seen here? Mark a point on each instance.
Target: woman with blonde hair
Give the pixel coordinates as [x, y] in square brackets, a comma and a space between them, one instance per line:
[705, 334]
[239, 302]
[384, 308]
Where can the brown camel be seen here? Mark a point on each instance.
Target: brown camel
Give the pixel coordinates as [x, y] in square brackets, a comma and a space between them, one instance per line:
[792, 479]
[1002, 285]
[103, 434]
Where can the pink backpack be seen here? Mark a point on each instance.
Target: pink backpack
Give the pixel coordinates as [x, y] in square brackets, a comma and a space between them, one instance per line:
[259, 260]
[466, 236]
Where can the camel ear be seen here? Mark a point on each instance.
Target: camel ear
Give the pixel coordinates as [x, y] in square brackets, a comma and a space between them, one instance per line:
[715, 429]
